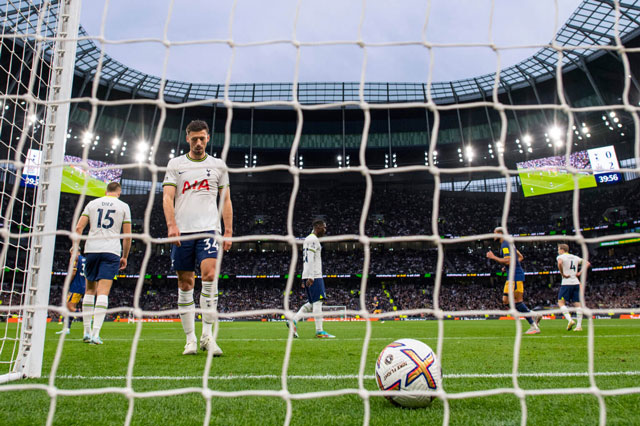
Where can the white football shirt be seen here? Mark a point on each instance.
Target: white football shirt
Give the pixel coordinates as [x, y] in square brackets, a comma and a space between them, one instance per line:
[197, 183]
[570, 266]
[311, 258]
[106, 216]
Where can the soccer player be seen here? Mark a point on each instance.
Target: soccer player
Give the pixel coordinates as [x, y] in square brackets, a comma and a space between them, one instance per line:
[516, 286]
[106, 217]
[190, 191]
[76, 290]
[312, 280]
[570, 287]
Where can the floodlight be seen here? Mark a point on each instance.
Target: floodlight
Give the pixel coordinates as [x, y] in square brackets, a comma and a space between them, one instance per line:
[555, 132]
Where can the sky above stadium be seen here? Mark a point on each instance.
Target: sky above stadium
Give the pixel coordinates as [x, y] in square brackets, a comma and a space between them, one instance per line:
[519, 28]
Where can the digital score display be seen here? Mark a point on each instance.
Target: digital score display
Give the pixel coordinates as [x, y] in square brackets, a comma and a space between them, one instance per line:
[31, 171]
[610, 177]
[603, 160]
[596, 166]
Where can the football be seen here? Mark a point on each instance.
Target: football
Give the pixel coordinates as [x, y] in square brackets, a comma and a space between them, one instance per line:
[407, 366]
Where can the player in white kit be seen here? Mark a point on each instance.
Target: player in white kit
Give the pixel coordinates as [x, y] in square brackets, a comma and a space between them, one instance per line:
[190, 191]
[106, 217]
[312, 280]
[570, 289]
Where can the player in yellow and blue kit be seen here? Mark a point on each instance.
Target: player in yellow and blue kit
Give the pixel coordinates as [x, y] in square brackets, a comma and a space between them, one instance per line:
[515, 286]
[76, 288]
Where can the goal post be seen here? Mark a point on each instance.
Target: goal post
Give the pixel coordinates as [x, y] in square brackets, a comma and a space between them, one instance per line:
[33, 317]
[334, 312]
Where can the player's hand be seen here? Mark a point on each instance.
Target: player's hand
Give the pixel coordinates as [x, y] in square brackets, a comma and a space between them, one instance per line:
[227, 244]
[123, 263]
[490, 255]
[174, 232]
[309, 282]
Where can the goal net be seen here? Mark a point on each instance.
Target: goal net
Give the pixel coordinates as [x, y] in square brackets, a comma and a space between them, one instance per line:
[407, 260]
[338, 313]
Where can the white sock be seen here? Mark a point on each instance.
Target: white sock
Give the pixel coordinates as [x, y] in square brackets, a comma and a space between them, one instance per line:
[317, 314]
[579, 317]
[304, 309]
[87, 311]
[102, 303]
[209, 305]
[566, 313]
[187, 309]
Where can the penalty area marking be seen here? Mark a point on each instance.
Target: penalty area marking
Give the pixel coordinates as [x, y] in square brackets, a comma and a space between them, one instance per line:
[347, 376]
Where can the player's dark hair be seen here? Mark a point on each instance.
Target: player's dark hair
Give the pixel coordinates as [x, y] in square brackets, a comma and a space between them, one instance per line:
[317, 222]
[564, 247]
[196, 126]
[113, 186]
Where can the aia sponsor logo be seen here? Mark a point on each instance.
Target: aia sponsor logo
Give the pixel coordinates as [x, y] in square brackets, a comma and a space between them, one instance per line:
[202, 185]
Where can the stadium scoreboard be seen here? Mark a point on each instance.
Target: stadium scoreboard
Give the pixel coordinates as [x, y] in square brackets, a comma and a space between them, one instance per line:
[596, 166]
[603, 161]
[31, 171]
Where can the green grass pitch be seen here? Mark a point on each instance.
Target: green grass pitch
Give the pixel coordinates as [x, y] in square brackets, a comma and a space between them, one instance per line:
[73, 182]
[543, 182]
[480, 351]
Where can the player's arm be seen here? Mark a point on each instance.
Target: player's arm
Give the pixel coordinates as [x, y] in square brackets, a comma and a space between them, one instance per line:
[74, 268]
[520, 256]
[126, 245]
[561, 269]
[585, 265]
[82, 223]
[307, 268]
[227, 217]
[501, 260]
[168, 197]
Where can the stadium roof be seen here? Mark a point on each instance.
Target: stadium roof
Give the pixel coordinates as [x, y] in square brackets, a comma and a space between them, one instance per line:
[592, 24]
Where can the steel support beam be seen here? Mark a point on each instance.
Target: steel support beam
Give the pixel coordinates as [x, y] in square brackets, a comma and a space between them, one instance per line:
[133, 96]
[535, 90]
[513, 111]
[486, 111]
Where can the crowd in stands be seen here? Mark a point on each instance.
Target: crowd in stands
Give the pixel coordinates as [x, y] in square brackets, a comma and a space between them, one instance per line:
[608, 290]
[394, 212]
[578, 160]
[538, 257]
[107, 175]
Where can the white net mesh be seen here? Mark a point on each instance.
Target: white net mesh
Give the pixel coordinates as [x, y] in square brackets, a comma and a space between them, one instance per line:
[22, 130]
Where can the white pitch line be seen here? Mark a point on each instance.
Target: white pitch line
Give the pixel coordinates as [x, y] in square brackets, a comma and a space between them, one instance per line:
[359, 339]
[346, 376]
